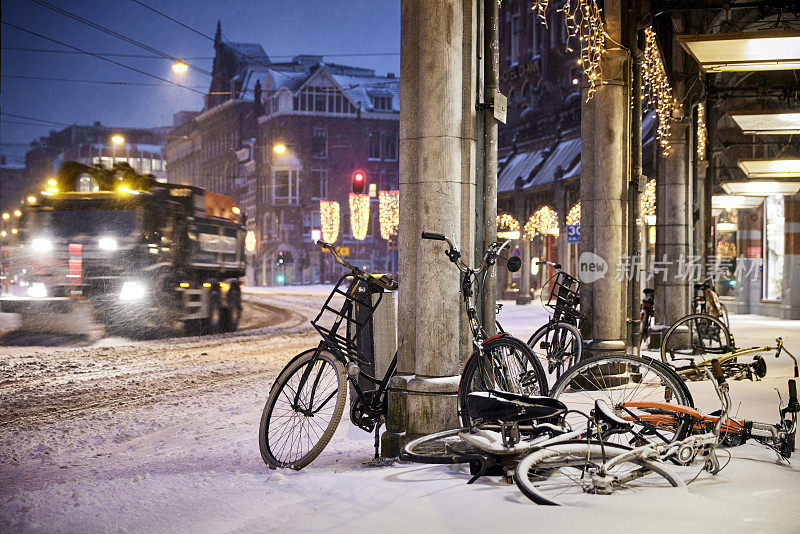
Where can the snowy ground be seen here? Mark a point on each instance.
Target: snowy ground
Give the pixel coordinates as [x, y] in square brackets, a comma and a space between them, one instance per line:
[160, 436]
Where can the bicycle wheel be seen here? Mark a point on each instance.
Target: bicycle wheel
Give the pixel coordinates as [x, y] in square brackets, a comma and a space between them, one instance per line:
[624, 379]
[506, 364]
[440, 448]
[564, 474]
[724, 315]
[557, 346]
[694, 336]
[303, 409]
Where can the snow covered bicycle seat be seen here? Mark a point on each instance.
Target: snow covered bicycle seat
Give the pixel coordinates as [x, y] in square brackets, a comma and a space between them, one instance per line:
[512, 407]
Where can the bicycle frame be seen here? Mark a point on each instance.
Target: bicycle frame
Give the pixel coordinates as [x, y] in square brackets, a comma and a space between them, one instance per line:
[728, 359]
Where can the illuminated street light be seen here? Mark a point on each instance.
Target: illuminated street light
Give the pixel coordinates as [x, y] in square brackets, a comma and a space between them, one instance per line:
[180, 67]
[14, 231]
[17, 213]
[6, 216]
[280, 148]
[767, 123]
[770, 168]
[31, 199]
[746, 51]
[117, 139]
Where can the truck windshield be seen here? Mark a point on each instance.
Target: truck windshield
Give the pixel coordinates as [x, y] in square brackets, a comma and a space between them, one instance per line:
[72, 223]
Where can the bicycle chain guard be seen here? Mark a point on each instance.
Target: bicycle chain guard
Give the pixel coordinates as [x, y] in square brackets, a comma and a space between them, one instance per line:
[362, 415]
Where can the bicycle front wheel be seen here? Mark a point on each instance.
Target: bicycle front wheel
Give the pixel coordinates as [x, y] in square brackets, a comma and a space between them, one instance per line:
[505, 363]
[694, 336]
[440, 448]
[558, 347]
[567, 474]
[621, 380]
[303, 410]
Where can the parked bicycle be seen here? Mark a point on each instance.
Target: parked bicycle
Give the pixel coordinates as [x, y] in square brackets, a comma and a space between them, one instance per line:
[646, 317]
[501, 362]
[307, 400]
[706, 300]
[558, 344]
[566, 473]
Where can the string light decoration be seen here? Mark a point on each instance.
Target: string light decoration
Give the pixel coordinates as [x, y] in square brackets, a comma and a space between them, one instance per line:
[507, 223]
[583, 20]
[726, 248]
[702, 133]
[574, 215]
[647, 202]
[329, 216]
[388, 213]
[657, 91]
[544, 221]
[359, 215]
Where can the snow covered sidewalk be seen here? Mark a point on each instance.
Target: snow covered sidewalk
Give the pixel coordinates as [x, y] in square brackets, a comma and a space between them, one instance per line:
[189, 462]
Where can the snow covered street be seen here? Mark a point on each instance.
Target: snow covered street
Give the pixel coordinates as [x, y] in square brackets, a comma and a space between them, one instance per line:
[160, 436]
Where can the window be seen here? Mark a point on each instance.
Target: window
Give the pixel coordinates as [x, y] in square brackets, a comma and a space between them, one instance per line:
[536, 35]
[374, 148]
[286, 187]
[319, 185]
[382, 103]
[322, 100]
[390, 146]
[319, 143]
[515, 32]
[773, 247]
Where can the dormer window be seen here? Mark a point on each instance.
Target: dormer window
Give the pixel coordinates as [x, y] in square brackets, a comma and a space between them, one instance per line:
[382, 103]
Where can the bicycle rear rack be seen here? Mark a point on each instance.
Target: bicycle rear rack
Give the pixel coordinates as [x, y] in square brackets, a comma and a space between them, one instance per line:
[341, 327]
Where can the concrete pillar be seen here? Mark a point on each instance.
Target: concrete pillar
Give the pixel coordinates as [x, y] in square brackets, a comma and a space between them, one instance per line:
[673, 205]
[605, 135]
[791, 266]
[437, 194]
[748, 289]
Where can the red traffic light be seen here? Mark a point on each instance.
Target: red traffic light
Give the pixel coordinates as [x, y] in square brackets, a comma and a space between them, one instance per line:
[359, 179]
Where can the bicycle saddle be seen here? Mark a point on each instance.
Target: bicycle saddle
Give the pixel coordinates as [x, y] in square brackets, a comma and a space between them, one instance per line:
[512, 407]
[603, 413]
[648, 291]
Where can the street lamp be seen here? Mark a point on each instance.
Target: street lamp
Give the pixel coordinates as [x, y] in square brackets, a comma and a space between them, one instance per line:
[117, 139]
[31, 199]
[279, 148]
[17, 213]
[180, 67]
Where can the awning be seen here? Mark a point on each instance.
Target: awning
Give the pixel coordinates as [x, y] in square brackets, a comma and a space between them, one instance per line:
[519, 165]
[564, 155]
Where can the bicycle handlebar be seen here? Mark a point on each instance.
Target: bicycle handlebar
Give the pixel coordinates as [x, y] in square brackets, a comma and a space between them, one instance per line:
[385, 281]
[492, 252]
[550, 263]
[716, 370]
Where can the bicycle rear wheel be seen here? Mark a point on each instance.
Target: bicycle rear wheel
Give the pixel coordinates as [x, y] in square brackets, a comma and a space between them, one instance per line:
[693, 337]
[303, 410]
[505, 364]
[557, 346]
[623, 379]
[563, 474]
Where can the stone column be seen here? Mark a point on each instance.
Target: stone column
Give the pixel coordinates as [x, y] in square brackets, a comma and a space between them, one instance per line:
[672, 288]
[437, 192]
[520, 213]
[560, 200]
[748, 288]
[791, 265]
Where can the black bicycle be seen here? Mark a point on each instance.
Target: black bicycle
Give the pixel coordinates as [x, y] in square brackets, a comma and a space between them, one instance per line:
[558, 343]
[307, 400]
[498, 363]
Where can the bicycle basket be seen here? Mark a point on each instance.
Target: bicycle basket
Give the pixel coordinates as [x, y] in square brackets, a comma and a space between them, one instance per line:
[565, 293]
[341, 325]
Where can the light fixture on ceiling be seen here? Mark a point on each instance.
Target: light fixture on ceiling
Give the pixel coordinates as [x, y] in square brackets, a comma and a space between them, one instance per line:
[774, 123]
[759, 188]
[770, 168]
[729, 202]
[745, 51]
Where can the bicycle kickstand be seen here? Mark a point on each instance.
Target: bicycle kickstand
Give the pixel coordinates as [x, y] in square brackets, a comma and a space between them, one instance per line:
[377, 440]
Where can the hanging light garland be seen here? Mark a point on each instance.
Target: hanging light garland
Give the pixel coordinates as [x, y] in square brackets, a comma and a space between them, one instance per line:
[388, 212]
[544, 221]
[702, 133]
[574, 215]
[657, 91]
[329, 220]
[647, 202]
[507, 227]
[583, 20]
[359, 215]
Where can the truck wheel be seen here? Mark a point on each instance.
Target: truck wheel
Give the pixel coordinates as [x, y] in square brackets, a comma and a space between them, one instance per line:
[213, 323]
[233, 312]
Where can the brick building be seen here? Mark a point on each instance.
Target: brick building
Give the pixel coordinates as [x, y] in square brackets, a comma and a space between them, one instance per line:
[328, 120]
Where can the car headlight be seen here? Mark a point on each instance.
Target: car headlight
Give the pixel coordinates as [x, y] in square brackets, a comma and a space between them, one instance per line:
[37, 290]
[107, 243]
[40, 244]
[132, 291]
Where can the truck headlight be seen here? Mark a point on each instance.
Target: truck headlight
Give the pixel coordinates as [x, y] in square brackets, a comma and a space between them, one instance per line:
[107, 243]
[37, 290]
[41, 245]
[132, 291]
